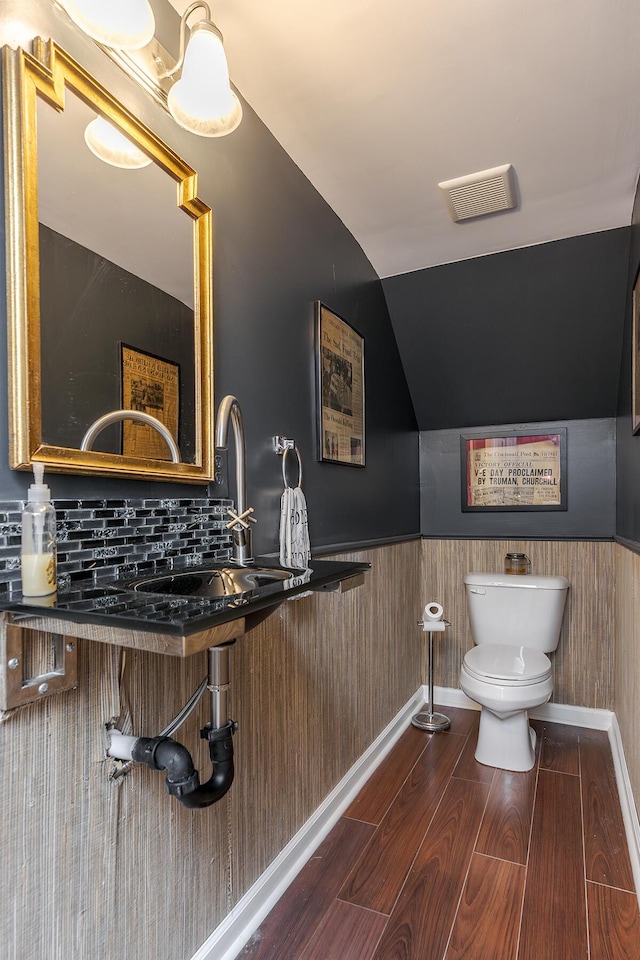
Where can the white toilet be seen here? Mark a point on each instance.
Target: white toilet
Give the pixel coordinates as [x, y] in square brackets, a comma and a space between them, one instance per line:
[515, 622]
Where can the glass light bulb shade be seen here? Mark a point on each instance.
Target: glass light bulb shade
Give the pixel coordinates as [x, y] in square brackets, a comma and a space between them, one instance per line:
[107, 143]
[126, 24]
[202, 100]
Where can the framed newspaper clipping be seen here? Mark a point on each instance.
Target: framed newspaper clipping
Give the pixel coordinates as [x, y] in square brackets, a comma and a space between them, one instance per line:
[152, 385]
[339, 389]
[514, 471]
[635, 359]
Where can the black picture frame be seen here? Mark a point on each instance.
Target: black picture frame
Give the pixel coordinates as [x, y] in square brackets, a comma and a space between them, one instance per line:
[340, 411]
[635, 358]
[518, 470]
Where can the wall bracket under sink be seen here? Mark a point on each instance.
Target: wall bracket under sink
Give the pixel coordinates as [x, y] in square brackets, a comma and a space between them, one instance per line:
[34, 665]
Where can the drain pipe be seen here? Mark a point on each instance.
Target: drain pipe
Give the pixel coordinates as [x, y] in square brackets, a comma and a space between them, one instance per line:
[163, 753]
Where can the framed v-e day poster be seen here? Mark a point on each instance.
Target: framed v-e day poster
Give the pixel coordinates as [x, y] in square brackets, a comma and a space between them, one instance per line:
[514, 471]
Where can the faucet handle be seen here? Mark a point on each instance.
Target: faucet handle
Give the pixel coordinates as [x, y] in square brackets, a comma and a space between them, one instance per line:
[240, 518]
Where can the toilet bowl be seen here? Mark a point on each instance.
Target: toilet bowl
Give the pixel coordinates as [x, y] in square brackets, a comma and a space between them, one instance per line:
[515, 622]
[506, 682]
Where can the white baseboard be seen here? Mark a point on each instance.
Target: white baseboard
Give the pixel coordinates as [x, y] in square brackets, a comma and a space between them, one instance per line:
[555, 712]
[230, 936]
[627, 802]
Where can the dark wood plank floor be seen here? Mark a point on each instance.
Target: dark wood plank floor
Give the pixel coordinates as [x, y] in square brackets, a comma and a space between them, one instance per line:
[440, 858]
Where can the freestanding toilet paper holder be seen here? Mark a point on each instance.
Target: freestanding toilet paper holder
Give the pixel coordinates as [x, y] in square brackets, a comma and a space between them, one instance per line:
[432, 622]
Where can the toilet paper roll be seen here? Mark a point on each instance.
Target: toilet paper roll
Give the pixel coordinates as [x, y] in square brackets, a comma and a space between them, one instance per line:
[432, 618]
[433, 611]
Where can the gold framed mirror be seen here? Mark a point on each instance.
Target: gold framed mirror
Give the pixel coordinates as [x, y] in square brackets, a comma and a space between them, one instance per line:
[109, 286]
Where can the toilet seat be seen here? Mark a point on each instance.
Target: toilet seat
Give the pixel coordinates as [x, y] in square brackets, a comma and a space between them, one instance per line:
[507, 666]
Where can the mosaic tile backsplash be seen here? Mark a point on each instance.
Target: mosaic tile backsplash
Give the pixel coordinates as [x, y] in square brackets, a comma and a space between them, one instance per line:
[103, 539]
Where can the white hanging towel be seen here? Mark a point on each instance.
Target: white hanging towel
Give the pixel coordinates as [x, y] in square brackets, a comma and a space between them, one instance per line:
[294, 529]
[295, 550]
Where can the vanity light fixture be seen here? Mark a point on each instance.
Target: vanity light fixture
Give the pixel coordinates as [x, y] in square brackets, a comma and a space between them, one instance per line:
[200, 99]
[126, 24]
[107, 143]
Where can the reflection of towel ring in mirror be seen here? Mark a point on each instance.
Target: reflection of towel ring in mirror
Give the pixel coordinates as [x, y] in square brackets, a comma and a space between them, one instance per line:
[284, 465]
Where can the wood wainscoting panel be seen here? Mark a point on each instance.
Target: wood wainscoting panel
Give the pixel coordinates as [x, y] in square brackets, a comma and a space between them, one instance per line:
[627, 660]
[313, 686]
[583, 664]
[85, 855]
[94, 866]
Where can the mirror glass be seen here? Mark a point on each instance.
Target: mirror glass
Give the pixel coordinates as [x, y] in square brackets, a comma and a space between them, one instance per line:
[116, 311]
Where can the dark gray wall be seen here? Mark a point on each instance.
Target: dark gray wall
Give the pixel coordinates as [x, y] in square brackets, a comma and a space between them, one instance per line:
[278, 247]
[590, 481]
[527, 335]
[89, 306]
[628, 445]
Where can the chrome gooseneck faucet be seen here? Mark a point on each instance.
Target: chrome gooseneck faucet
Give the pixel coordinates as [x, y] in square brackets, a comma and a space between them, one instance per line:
[116, 415]
[229, 410]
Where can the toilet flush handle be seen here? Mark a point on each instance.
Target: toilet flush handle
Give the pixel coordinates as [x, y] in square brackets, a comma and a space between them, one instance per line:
[480, 590]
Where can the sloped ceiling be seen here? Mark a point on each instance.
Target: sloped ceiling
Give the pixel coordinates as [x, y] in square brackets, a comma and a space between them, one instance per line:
[378, 102]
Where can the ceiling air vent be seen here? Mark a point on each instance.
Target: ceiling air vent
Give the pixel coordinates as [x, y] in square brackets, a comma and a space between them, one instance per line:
[480, 193]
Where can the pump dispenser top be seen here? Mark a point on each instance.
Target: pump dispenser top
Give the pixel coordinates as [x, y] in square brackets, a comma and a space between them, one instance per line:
[38, 556]
[39, 492]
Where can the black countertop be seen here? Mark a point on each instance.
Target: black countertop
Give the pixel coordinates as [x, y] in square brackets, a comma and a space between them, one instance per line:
[114, 604]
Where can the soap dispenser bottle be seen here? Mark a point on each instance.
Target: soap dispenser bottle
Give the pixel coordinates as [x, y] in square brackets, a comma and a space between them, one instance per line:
[39, 575]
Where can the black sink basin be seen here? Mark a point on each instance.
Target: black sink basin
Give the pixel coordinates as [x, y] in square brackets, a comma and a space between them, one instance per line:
[212, 581]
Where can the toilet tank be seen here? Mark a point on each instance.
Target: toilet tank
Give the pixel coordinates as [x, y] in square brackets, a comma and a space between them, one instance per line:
[518, 610]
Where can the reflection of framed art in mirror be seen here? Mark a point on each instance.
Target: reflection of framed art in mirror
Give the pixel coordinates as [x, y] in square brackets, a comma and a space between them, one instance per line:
[151, 385]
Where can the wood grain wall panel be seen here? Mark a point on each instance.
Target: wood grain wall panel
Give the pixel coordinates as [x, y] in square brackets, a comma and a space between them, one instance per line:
[91, 864]
[627, 660]
[313, 687]
[583, 664]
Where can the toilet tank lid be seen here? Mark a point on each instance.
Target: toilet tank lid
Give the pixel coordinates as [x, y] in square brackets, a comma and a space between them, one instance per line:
[521, 581]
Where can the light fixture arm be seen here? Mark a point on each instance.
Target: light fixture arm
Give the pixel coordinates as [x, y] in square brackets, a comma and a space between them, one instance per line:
[183, 35]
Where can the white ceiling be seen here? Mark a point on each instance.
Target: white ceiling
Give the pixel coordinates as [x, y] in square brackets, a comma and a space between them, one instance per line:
[378, 102]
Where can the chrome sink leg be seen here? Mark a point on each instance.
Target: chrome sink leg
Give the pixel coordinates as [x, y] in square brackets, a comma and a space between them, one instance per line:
[219, 683]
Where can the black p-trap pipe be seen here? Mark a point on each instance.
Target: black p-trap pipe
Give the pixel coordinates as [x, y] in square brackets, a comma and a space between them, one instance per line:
[183, 780]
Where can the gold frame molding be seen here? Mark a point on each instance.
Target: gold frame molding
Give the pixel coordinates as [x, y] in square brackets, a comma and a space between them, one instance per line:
[46, 72]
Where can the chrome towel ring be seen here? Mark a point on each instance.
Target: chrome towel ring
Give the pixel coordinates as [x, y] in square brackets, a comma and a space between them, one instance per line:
[285, 452]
